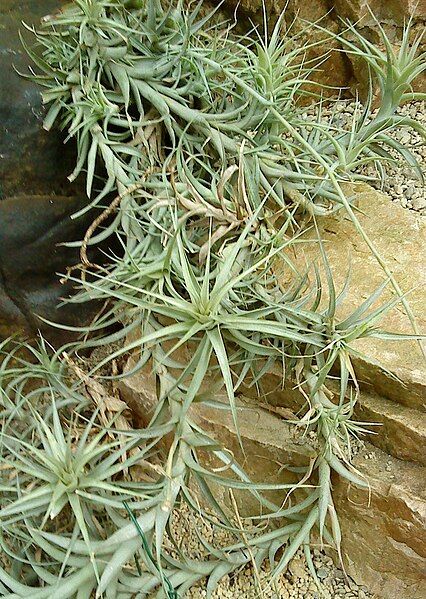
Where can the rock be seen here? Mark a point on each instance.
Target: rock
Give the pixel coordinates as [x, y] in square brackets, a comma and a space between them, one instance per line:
[384, 532]
[419, 203]
[396, 11]
[401, 431]
[341, 69]
[395, 370]
[384, 528]
[297, 568]
[139, 392]
[31, 229]
[398, 430]
[32, 160]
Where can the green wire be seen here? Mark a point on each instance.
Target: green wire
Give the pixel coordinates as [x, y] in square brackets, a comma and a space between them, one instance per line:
[170, 591]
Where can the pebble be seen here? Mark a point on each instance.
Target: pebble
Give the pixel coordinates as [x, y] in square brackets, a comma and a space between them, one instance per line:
[400, 181]
[419, 203]
[296, 583]
[297, 568]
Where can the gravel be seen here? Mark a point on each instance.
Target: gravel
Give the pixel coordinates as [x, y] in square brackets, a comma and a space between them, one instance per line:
[401, 183]
[295, 583]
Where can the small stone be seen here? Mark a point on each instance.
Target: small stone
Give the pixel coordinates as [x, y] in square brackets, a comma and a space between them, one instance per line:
[409, 192]
[297, 568]
[405, 138]
[322, 573]
[419, 203]
[338, 575]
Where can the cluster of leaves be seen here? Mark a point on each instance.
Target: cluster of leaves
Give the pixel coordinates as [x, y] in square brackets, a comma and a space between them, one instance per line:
[199, 135]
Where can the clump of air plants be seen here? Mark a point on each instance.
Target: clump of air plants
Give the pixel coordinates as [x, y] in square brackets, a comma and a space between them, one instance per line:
[212, 175]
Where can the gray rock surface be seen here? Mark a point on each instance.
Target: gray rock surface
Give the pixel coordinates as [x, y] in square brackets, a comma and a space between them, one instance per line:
[36, 198]
[32, 161]
[31, 229]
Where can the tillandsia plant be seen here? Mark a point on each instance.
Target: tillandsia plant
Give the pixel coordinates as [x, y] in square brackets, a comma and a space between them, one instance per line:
[171, 106]
[195, 139]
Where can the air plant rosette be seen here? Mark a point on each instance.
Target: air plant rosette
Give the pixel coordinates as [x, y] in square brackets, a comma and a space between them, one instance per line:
[195, 151]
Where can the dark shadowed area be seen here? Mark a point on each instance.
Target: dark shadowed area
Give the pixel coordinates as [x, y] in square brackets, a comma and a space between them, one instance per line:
[36, 198]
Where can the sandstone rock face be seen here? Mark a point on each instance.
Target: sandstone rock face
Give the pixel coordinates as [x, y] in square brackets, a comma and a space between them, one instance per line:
[384, 534]
[397, 11]
[396, 429]
[341, 69]
[394, 369]
[139, 393]
[401, 431]
[384, 527]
